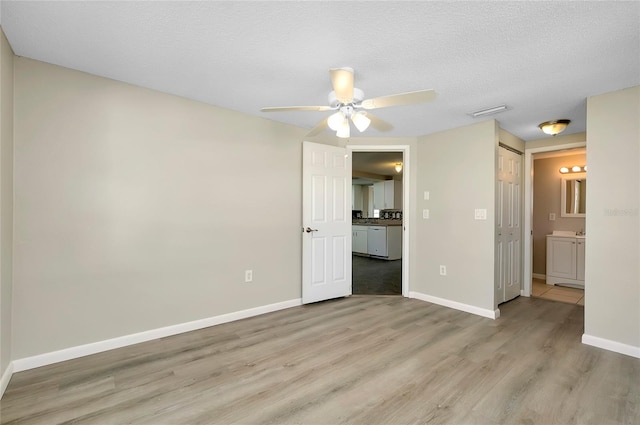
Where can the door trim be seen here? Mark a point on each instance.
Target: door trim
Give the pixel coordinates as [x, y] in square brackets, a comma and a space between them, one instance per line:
[406, 201]
[528, 208]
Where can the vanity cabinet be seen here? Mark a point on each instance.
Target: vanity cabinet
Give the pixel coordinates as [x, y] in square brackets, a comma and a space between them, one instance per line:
[565, 260]
[359, 239]
[580, 245]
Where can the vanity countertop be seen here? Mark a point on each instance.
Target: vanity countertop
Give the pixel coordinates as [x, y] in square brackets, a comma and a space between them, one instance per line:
[568, 236]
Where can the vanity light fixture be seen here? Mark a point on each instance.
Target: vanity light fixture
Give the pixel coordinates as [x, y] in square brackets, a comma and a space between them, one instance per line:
[398, 167]
[573, 169]
[554, 128]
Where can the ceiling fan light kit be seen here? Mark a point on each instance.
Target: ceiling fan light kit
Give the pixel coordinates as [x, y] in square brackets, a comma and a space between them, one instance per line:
[344, 131]
[348, 103]
[361, 121]
[335, 120]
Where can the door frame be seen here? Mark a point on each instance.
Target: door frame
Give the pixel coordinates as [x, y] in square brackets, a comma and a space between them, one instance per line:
[406, 201]
[528, 207]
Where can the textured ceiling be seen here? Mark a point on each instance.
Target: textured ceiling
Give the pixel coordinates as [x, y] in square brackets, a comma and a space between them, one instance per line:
[543, 59]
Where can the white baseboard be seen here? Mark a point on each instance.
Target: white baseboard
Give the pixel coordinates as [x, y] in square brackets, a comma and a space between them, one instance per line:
[6, 377]
[491, 314]
[123, 341]
[539, 276]
[615, 346]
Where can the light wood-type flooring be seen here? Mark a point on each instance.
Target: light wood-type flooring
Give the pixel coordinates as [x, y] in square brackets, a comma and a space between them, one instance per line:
[539, 288]
[359, 360]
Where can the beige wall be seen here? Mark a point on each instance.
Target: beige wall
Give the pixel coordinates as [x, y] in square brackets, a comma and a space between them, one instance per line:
[128, 216]
[509, 139]
[612, 275]
[546, 199]
[457, 167]
[6, 201]
[557, 140]
[137, 210]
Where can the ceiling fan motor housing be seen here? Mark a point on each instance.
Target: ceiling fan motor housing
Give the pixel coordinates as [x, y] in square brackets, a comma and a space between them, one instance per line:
[358, 96]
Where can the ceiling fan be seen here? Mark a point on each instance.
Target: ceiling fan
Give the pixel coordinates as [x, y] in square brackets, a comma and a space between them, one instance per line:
[349, 104]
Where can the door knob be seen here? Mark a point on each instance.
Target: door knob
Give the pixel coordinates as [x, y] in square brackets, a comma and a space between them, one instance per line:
[309, 230]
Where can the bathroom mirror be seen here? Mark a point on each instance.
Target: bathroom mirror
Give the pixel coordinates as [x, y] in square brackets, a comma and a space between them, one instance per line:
[573, 197]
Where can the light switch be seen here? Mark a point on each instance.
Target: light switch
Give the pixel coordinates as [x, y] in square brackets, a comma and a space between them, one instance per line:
[480, 214]
[425, 213]
[426, 195]
[552, 217]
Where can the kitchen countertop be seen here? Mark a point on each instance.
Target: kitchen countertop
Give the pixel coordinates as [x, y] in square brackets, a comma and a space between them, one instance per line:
[375, 222]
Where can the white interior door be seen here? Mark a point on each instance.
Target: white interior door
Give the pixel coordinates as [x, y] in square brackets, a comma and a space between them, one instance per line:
[508, 226]
[326, 221]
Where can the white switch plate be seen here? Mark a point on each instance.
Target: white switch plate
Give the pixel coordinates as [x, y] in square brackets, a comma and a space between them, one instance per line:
[552, 217]
[443, 270]
[425, 213]
[248, 275]
[481, 214]
[426, 195]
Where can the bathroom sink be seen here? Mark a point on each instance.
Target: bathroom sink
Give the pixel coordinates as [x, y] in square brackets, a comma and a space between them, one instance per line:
[564, 233]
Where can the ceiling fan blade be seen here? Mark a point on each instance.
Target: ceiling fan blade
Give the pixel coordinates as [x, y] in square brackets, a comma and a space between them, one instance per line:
[408, 98]
[379, 124]
[297, 108]
[319, 128]
[342, 80]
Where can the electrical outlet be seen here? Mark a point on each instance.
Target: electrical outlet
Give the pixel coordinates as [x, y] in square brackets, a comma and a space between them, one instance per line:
[248, 275]
[552, 217]
[425, 213]
[443, 270]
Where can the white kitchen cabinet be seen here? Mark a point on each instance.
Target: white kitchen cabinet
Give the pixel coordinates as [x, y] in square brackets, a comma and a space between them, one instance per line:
[387, 195]
[378, 196]
[360, 239]
[357, 197]
[565, 260]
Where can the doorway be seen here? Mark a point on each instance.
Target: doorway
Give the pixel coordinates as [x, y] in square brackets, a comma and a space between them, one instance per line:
[528, 207]
[551, 215]
[380, 272]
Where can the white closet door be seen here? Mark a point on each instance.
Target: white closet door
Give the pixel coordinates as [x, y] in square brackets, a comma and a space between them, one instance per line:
[508, 276]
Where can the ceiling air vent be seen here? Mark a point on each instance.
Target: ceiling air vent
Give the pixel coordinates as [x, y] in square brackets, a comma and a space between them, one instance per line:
[488, 111]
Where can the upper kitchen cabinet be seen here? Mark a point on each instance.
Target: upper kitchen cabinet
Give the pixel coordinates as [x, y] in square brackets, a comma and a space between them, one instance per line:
[387, 195]
[357, 199]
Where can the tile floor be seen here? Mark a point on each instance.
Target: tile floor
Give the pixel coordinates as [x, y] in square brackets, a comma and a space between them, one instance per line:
[557, 293]
[372, 276]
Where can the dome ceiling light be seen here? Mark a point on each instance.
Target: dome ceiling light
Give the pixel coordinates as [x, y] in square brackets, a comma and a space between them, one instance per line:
[554, 128]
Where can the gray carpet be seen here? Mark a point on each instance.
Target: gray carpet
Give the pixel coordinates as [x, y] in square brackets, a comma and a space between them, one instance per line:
[372, 276]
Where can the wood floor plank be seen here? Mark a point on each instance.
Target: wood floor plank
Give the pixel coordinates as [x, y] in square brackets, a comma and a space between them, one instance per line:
[359, 360]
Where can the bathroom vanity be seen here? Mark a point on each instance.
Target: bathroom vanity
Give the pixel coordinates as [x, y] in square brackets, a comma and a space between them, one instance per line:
[565, 259]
